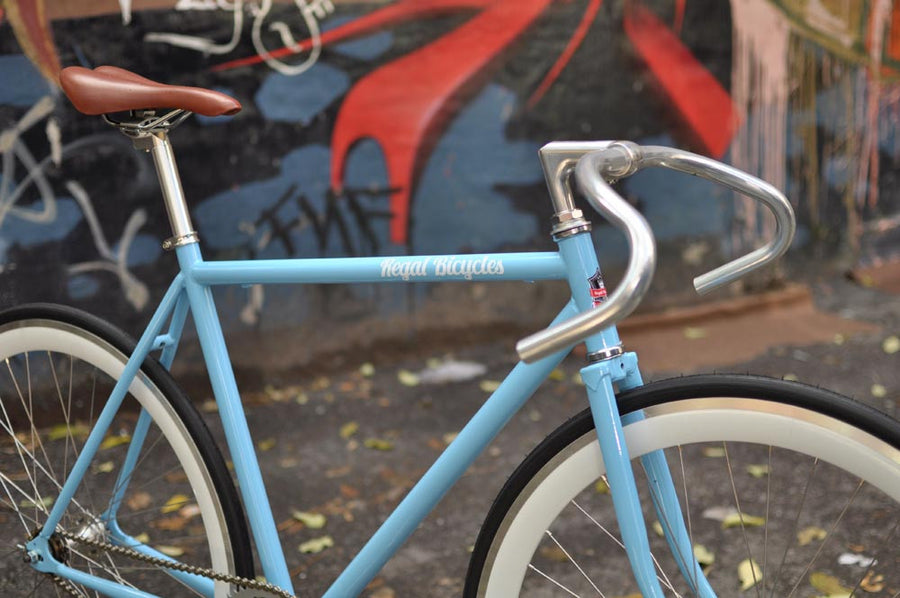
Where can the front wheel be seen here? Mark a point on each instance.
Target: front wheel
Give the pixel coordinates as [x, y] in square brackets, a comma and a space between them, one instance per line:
[175, 499]
[785, 490]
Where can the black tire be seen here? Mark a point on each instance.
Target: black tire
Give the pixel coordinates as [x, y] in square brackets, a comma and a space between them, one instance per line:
[744, 395]
[162, 499]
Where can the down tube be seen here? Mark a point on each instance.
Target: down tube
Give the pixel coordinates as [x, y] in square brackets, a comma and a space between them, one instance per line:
[515, 390]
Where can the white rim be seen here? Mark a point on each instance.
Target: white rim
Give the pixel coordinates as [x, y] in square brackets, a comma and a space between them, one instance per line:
[669, 425]
[63, 338]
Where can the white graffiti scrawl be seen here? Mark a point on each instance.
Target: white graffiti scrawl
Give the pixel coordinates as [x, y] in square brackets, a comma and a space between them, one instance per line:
[311, 13]
[15, 152]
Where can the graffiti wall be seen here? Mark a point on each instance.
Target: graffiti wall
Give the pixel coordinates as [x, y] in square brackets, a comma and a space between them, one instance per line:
[384, 128]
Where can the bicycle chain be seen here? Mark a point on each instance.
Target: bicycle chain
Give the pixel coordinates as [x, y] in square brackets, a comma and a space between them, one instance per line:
[241, 582]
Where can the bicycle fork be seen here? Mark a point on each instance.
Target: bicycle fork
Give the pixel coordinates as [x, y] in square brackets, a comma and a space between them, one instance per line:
[599, 378]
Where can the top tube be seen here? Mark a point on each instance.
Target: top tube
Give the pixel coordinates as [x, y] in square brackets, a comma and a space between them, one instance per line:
[528, 266]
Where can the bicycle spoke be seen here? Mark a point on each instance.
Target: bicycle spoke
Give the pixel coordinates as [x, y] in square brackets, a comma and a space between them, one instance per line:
[574, 562]
[737, 504]
[553, 581]
[795, 526]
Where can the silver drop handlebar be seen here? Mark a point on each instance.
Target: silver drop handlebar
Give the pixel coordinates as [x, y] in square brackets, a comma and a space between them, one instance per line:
[598, 162]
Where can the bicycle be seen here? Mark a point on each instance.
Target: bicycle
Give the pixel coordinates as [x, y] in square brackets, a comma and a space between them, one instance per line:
[83, 522]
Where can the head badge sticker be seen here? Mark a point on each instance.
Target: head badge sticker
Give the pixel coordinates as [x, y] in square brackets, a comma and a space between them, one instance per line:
[598, 289]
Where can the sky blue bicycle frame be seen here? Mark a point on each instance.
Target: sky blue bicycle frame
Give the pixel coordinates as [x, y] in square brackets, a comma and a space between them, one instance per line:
[191, 290]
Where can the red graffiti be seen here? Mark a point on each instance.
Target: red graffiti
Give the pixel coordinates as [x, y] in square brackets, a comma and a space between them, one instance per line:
[701, 101]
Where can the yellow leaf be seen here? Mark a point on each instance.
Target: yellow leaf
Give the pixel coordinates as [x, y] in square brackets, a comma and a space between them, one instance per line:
[449, 437]
[378, 444]
[749, 574]
[577, 379]
[488, 385]
[737, 519]
[105, 467]
[704, 555]
[827, 584]
[878, 391]
[79, 431]
[114, 441]
[693, 333]
[174, 503]
[557, 375]
[891, 345]
[44, 503]
[658, 528]
[808, 534]
[601, 487]
[758, 471]
[367, 370]
[407, 378]
[348, 430]
[142, 538]
[172, 551]
[310, 520]
[790, 377]
[715, 452]
[316, 545]
[266, 445]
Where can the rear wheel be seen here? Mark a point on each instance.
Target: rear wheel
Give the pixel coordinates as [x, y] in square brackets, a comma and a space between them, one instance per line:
[785, 490]
[57, 368]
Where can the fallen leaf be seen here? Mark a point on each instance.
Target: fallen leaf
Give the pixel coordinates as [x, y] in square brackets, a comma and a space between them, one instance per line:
[44, 503]
[115, 440]
[267, 444]
[348, 430]
[601, 487]
[449, 437]
[878, 391]
[758, 471]
[827, 584]
[142, 538]
[891, 345]
[337, 472]
[693, 333]
[172, 551]
[378, 444]
[189, 511]
[407, 378]
[719, 513]
[553, 553]
[174, 503]
[349, 491]
[742, 519]
[577, 379]
[170, 524]
[715, 452]
[79, 431]
[872, 582]
[138, 501]
[383, 592]
[557, 375]
[209, 406]
[790, 377]
[658, 528]
[367, 370]
[749, 574]
[310, 520]
[316, 545]
[810, 534]
[489, 385]
[704, 555]
[105, 467]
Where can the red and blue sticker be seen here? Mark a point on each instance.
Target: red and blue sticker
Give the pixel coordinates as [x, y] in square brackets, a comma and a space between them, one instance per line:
[597, 288]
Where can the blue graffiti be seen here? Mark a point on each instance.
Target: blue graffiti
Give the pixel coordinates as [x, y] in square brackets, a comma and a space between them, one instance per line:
[369, 47]
[456, 206]
[23, 84]
[28, 234]
[301, 98]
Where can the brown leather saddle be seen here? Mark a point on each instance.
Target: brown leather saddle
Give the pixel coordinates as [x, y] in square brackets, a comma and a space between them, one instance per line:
[108, 89]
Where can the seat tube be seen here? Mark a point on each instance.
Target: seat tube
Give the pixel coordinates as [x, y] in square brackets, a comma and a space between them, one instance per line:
[234, 422]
